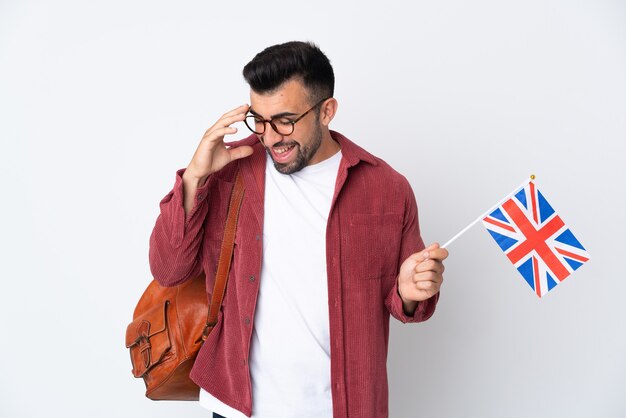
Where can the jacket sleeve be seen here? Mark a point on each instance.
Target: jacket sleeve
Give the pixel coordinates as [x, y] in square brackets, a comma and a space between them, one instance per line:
[411, 243]
[176, 239]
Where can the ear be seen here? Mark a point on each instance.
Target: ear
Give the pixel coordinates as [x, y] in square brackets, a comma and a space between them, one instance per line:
[328, 111]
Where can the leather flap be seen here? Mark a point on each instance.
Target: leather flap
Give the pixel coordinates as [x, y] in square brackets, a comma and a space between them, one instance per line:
[148, 339]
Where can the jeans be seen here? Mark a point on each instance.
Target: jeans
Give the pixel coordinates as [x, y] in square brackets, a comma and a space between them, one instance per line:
[217, 415]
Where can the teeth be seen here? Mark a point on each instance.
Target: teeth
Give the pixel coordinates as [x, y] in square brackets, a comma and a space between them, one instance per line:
[282, 150]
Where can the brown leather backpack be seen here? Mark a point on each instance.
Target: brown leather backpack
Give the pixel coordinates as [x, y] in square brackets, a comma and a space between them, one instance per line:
[171, 323]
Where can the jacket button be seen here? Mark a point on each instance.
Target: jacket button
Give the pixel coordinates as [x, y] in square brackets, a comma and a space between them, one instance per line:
[258, 237]
[251, 278]
[246, 321]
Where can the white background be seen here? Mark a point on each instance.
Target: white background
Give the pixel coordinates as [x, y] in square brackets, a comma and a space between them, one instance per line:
[101, 101]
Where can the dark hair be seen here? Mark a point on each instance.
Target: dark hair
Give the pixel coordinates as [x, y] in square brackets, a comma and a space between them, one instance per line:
[278, 63]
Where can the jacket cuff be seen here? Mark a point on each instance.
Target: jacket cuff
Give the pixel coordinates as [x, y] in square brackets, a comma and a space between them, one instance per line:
[173, 208]
[424, 310]
[199, 198]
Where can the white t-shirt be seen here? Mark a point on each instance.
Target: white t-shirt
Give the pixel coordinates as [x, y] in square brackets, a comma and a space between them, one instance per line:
[290, 349]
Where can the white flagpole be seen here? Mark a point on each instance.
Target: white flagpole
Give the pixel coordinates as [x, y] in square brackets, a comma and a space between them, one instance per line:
[487, 212]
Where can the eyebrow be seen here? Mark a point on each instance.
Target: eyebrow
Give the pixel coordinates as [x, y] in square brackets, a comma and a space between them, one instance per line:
[278, 115]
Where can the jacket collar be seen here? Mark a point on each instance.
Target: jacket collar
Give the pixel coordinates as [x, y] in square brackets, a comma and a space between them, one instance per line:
[351, 152]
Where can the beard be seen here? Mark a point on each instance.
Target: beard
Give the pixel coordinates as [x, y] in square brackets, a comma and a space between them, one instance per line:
[304, 153]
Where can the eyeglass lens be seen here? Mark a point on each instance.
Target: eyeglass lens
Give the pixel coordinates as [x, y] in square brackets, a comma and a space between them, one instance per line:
[256, 124]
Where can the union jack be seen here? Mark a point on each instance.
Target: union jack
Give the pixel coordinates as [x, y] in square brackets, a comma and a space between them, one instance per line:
[535, 239]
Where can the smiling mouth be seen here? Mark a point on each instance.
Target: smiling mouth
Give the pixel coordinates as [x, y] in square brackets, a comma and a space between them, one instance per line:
[283, 149]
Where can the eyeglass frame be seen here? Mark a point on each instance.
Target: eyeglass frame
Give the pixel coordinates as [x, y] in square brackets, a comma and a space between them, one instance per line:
[271, 121]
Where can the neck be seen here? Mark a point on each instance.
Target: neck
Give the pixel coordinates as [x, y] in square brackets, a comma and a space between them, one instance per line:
[329, 146]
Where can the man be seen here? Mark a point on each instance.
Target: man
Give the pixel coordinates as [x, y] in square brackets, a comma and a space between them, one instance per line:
[327, 247]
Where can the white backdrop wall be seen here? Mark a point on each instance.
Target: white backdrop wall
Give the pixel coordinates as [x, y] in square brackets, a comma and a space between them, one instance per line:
[101, 101]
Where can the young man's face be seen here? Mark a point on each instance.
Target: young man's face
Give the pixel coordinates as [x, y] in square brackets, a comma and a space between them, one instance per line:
[304, 146]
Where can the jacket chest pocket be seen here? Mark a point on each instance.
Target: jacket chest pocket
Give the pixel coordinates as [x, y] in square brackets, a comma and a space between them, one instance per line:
[373, 245]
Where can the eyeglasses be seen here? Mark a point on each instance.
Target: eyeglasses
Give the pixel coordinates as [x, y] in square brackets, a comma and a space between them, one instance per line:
[281, 125]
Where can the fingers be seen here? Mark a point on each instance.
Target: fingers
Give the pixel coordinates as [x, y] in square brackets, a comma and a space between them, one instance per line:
[233, 115]
[429, 270]
[228, 119]
[421, 287]
[214, 132]
[431, 246]
[428, 286]
[222, 126]
[421, 275]
[240, 152]
[429, 282]
[428, 276]
[239, 109]
[434, 252]
[212, 153]
[430, 265]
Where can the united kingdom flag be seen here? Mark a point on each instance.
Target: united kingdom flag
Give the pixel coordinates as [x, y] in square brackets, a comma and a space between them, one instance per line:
[535, 239]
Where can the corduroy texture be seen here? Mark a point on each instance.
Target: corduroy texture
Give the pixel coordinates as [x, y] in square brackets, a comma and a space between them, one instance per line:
[372, 228]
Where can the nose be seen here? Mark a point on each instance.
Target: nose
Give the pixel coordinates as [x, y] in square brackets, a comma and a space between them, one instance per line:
[270, 137]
